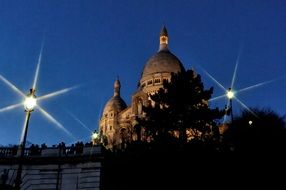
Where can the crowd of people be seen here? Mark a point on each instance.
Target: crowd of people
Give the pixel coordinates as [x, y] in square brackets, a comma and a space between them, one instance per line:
[36, 150]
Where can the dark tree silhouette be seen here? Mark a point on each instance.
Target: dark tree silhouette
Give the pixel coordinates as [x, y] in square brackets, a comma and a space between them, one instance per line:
[263, 132]
[181, 104]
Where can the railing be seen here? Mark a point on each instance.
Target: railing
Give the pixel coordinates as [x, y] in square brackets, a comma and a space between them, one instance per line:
[51, 151]
[8, 152]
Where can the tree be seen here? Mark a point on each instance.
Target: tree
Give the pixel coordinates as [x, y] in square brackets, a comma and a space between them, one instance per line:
[263, 132]
[181, 105]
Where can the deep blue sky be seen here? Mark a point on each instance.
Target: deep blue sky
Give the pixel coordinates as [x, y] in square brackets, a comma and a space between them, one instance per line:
[92, 41]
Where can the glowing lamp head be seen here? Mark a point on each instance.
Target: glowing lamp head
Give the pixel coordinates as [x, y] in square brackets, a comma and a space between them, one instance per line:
[30, 103]
[94, 138]
[94, 135]
[230, 94]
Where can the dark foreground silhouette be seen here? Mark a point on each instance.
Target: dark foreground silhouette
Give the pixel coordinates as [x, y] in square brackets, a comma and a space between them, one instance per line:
[194, 166]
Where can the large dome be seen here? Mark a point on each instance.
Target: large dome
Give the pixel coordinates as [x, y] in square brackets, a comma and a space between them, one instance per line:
[162, 62]
[160, 66]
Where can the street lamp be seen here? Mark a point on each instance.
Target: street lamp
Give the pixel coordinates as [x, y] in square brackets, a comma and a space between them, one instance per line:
[29, 105]
[94, 138]
[230, 96]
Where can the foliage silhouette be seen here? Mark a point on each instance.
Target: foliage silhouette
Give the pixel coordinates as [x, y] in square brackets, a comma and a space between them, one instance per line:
[182, 104]
[265, 132]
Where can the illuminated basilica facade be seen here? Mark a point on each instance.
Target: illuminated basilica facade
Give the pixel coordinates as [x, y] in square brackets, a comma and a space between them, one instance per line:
[118, 121]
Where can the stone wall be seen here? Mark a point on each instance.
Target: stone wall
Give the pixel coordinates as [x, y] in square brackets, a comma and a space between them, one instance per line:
[55, 169]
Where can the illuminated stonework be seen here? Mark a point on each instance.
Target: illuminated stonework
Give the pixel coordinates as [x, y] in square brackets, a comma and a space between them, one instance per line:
[118, 122]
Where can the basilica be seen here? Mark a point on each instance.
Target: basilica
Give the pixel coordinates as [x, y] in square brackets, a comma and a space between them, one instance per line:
[118, 121]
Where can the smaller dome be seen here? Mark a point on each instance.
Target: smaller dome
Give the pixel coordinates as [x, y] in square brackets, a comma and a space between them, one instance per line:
[116, 103]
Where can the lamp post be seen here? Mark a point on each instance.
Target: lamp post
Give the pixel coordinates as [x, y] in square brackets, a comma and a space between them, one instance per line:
[29, 104]
[230, 95]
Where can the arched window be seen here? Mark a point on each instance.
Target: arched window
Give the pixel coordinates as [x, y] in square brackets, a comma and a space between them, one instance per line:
[149, 82]
[157, 81]
[139, 106]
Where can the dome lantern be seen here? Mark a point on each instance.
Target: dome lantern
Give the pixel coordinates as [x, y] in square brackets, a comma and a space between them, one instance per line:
[117, 87]
[163, 39]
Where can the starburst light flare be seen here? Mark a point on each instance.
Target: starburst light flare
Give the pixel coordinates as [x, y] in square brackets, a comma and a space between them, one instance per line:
[30, 101]
[256, 85]
[53, 120]
[238, 91]
[11, 107]
[79, 121]
[233, 94]
[59, 92]
[235, 71]
[38, 67]
[12, 86]
[246, 107]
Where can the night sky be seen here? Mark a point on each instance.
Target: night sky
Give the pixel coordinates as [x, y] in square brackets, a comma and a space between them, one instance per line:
[91, 42]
